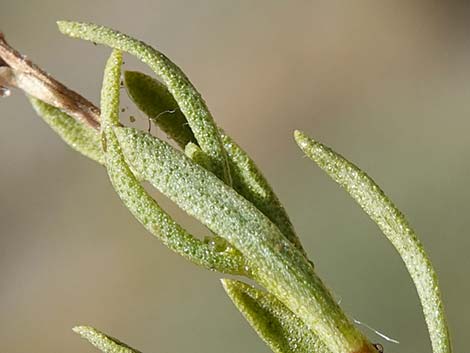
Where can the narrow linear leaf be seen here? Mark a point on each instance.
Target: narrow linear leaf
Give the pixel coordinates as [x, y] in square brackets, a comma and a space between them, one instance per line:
[198, 156]
[250, 183]
[103, 342]
[276, 263]
[140, 203]
[279, 328]
[395, 227]
[110, 93]
[188, 98]
[153, 99]
[77, 135]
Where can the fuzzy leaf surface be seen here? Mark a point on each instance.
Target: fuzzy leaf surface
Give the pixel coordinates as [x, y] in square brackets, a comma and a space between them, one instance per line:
[150, 97]
[188, 98]
[275, 262]
[103, 342]
[395, 227]
[77, 135]
[136, 198]
[279, 328]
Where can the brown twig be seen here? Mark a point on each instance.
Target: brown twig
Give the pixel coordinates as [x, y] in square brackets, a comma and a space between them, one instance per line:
[17, 71]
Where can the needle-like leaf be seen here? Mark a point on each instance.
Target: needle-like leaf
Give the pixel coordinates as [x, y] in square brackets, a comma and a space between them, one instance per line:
[81, 137]
[188, 98]
[153, 99]
[104, 343]
[282, 331]
[395, 227]
[139, 202]
[250, 183]
[276, 263]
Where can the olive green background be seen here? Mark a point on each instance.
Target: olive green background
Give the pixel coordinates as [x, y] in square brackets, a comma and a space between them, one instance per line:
[386, 83]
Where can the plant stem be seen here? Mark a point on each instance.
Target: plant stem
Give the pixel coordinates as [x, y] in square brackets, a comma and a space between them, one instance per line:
[17, 71]
[337, 332]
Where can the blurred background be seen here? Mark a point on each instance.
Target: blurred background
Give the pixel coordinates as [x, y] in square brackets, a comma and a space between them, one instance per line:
[386, 83]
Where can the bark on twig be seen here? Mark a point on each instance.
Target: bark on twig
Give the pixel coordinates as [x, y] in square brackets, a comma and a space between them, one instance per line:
[18, 71]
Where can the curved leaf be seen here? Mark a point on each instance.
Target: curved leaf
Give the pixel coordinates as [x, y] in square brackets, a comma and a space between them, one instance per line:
[139, 202]
[275, 262]
[104, 343]
[395, 227]
[153, 99]
[188, 98]
[250, 183]
[79, 136]
[273, 322]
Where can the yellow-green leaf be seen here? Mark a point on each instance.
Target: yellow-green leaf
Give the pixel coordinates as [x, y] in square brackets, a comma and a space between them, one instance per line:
[139, 202]
[153, 99]
[188, 98]
[104, 343]
[282, 331]
[77, 135]
[275, 262]
[395, 227]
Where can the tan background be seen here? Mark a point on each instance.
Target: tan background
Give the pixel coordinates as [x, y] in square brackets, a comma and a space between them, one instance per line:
[387, 83]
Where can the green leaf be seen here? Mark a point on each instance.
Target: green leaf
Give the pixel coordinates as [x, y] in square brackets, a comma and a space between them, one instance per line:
[104, 343]
[395, 227]
[197, 155]
[140, 203]
[250, 183]
[77, 135]
[110, 93]
[275, 262]
[153, 99]
[188, 98]
[282, 331]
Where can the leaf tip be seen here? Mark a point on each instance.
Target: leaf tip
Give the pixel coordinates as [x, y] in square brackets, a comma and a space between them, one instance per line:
[130, 76]
[63, 25]
[229, 285]
[70, 28]
[83, 330]
[225, 283]
[308, 145]
[301, 138]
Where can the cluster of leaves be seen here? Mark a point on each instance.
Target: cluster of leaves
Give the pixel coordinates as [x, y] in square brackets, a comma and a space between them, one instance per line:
[212, 179]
